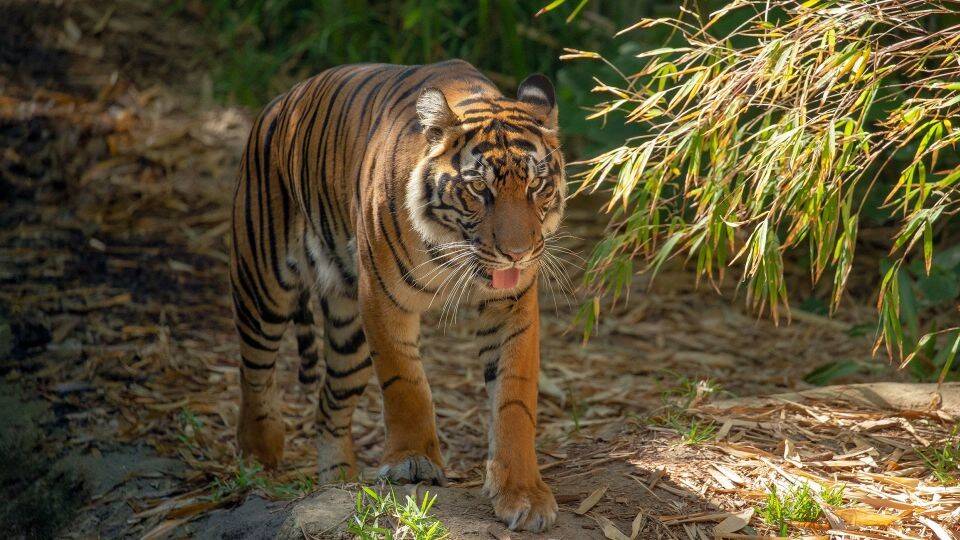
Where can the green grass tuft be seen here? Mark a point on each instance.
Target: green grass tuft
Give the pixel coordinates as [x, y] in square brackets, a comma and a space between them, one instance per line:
[692, 431]
[944, 461]
[797, 504]
[677, 400]
[833, 496]
[382, 516]
[249, 478]
[690, 391]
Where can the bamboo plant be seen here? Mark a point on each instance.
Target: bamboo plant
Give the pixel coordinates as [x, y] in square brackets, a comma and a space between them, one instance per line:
[771, 136]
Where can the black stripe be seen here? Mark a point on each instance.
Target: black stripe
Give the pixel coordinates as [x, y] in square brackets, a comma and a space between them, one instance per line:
[522, 405]
[350, 346]
[332, 320]
[488, 331]
[366, 363]
[341, 395]
[304, 342]
[515, 334]
[490, 371]
[331, 399]
[248, 364]
[383, 285]
[253, 343]
[309, 360]
[308, 378]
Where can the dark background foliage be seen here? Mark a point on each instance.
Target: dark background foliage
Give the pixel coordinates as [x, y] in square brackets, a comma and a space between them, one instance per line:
[264, 46]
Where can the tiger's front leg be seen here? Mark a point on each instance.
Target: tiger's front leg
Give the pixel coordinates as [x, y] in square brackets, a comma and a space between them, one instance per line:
[412, 450]
[509, 341]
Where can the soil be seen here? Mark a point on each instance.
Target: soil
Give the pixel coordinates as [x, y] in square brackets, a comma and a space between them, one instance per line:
[116, 340]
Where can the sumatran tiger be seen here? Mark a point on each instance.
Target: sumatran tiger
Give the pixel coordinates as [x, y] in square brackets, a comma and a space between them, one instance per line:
[375, 192]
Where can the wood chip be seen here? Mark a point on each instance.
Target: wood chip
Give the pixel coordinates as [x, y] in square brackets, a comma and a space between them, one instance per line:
[590, 501]
[734, 522]
[942, 534]
[638, 522]
[610, 530]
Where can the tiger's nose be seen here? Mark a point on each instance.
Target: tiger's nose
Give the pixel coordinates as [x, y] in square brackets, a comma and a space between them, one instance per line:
[516, 254]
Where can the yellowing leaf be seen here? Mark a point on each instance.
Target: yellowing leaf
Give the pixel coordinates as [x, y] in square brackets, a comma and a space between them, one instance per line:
[734, 522]
[637, 524]
[857, 516]
[590, 501]
[610, 530]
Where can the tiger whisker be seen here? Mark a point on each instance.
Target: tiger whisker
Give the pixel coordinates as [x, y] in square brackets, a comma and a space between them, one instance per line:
[433, 274]
[453, 273]
[557, 263]
[453, 299]
[543, 274]
[452, 256]
[557, 251]
[558, 275]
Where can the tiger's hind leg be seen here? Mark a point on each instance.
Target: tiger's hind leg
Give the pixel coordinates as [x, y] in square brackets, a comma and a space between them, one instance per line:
[265, 287]
[260, 323]
[348, 368]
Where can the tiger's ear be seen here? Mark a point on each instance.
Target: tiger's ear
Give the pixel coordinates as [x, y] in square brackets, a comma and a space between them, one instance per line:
[436, 116]
[537, 91]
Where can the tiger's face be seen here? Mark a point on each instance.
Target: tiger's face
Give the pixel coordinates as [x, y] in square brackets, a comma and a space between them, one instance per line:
[491, 189]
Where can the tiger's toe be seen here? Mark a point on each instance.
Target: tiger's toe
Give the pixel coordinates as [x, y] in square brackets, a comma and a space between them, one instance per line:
[412, 469]
[522, 503]
[526, 509]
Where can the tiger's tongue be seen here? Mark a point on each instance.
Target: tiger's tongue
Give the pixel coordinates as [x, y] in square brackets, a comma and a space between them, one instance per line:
[505, 279]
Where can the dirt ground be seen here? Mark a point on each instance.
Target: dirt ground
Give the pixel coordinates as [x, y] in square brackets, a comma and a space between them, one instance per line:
[116, 341]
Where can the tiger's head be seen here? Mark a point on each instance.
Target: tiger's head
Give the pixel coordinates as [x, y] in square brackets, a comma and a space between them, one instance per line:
[491, 188]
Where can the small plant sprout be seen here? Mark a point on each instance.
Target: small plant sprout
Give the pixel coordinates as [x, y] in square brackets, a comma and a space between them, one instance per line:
[381, 516]
[250, 477]
[190, 424]
[944, 460]
[698, 432]
[798, 504]
[690, 392]
[577, 409]
[833, 495]
[692, 431]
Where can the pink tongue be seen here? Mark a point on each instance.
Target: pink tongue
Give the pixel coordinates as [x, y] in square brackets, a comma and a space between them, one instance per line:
[505, 279]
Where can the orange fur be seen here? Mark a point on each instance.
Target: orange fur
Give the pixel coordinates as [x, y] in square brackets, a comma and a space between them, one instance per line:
[378, 192]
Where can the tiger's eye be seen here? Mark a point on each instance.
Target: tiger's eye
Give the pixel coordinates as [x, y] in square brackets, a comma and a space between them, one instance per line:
[477, 185]
[536, 183]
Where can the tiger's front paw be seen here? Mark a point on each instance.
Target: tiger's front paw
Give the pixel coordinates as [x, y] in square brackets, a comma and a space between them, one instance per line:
[526, 506]
[412, 468]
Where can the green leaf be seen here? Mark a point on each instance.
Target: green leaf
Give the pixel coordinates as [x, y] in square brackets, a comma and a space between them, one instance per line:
[950, 356]
[576, 11]
[825, 373]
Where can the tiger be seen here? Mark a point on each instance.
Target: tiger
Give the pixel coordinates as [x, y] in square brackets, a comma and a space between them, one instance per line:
[376, 192]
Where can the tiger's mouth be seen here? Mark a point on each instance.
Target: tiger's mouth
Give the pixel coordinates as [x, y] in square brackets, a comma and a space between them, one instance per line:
[505, 278]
